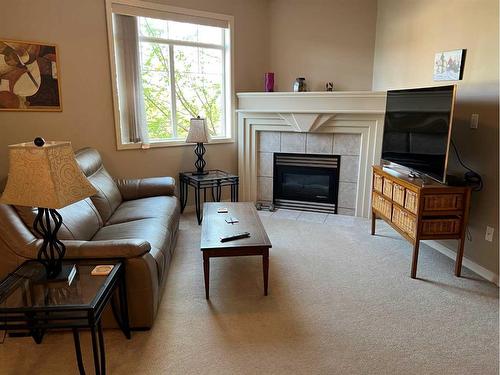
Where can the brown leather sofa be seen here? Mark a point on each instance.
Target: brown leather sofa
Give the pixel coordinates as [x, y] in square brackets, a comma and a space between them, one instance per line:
[133, 219]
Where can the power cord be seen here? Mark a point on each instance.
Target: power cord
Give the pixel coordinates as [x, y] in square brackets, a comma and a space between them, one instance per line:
[472, 178]
[3, 333]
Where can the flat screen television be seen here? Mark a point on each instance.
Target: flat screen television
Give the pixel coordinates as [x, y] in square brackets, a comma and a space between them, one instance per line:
[417, 129]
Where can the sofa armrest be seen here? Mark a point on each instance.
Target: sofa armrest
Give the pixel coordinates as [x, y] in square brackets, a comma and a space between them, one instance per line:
[146, 187]
[106, 249]
[93, 249]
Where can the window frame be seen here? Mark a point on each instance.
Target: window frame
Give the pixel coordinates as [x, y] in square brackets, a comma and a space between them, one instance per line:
[228, 71]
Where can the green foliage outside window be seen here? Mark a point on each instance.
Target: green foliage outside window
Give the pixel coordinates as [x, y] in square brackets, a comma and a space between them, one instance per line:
[198, 86]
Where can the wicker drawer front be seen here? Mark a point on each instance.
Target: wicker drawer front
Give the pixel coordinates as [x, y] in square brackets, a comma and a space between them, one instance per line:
[443, 202]
[387, 191]
[411, 201]
[404, 221]
[440, 226]
[382, 205]
[398, 194]
[378, 182]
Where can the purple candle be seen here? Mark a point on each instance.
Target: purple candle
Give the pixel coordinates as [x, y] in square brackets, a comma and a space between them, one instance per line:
[269, 82]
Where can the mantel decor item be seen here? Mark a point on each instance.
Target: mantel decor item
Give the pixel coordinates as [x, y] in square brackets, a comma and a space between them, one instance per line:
[198, 133]
[449, 65]
[329, 86]
[29, 77]
[46, 175]
[300, 85]
[269, 82]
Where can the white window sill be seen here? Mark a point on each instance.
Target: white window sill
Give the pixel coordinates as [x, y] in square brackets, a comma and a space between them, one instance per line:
[172, 143]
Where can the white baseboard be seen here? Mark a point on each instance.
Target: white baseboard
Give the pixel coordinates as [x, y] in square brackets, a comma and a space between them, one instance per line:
[474, 267]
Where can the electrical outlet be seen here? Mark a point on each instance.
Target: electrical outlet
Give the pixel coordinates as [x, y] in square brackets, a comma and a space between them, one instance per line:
[489, 233]
[474, 121]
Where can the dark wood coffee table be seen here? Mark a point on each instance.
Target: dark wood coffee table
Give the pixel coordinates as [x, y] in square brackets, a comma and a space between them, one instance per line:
[215, 227]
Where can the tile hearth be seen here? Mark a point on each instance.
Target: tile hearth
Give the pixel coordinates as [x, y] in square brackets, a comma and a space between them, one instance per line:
[313, 217]
[345, 145]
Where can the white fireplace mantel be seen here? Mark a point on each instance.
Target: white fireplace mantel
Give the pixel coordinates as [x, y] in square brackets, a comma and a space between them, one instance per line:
[351, 112]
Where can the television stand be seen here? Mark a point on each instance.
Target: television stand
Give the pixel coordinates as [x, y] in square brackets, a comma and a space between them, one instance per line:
[420, 210]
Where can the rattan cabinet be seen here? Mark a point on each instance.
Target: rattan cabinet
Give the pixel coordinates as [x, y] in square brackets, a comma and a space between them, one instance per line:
[420, 211]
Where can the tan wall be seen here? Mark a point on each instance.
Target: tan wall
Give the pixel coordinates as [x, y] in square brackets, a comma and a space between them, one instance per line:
[409, 32]
[78, 27]
[342, 35]
[322, 40]
[319, 39]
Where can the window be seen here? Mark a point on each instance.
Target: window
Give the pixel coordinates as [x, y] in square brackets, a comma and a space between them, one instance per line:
[182, 68]
[169, 67]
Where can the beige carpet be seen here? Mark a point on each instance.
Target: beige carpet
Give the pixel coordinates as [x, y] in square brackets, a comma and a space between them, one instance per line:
[341, 302]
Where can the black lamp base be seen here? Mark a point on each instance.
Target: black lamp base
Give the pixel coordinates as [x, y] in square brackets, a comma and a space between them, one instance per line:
[197, 173]
[51, 253]
[67, 273]
[200, 162]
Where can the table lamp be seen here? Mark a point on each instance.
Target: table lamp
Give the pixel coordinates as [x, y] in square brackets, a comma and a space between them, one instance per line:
[198, 133]
[45, 175]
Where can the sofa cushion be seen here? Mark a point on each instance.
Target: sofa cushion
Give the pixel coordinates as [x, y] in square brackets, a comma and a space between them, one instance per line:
[108, 197]
[151, 230]
[162, 207]
[81, 220]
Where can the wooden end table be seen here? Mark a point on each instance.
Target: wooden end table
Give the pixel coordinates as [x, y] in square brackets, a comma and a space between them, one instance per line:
[29, 302]
[215, 226]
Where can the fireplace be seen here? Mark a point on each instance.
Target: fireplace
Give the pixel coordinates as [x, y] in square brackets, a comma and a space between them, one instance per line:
[307, 182]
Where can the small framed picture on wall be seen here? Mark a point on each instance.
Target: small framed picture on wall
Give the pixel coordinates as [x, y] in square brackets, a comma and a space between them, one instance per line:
[449, 65]
[29, 76]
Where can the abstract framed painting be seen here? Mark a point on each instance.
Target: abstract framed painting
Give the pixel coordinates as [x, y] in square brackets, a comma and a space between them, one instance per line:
[29, 76]
[449, 65]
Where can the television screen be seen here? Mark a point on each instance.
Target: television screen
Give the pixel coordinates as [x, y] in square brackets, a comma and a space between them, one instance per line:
[417, 129]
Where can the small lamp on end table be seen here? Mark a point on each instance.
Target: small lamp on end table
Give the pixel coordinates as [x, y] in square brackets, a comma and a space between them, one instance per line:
[198, 133]
[46, 175]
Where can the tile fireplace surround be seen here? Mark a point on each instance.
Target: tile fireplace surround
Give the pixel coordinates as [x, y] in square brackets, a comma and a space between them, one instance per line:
[348, 123]
[345, 145]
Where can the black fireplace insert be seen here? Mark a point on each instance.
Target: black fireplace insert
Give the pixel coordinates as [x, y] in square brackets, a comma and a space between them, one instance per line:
[308, 182]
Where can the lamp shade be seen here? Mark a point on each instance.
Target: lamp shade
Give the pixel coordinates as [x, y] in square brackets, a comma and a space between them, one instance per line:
[198, 131]
[44, 176]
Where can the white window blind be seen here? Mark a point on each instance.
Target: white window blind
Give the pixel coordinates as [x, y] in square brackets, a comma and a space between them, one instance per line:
[178, 16]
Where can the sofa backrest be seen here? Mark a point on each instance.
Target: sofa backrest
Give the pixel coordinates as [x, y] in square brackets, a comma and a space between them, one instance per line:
[81, 220]
[108, 197]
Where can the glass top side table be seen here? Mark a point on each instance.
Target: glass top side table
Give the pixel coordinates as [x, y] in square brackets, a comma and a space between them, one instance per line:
[214, 180]
[28, 301]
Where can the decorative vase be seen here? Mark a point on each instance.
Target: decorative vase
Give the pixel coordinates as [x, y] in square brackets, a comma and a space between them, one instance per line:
[269, 82]
[299, 85]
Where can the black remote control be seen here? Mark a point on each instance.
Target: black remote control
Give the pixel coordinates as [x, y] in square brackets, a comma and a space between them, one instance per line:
[236, 236]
